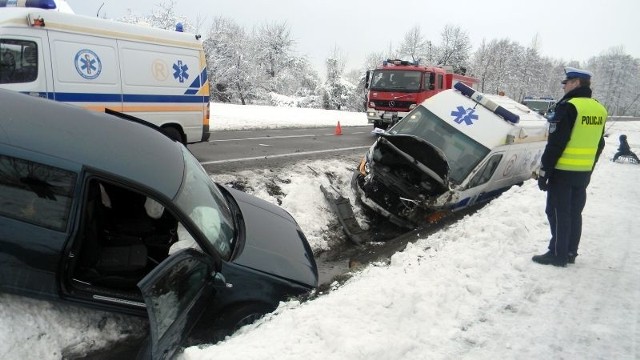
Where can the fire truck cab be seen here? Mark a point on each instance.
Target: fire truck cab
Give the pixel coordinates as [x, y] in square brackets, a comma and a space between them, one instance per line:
[398, 86]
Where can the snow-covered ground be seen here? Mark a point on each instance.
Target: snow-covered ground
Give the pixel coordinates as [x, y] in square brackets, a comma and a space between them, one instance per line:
[469, 291]
[239, 117]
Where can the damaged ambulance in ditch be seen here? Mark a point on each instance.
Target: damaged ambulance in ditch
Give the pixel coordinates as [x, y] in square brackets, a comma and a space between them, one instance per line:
[457, 149]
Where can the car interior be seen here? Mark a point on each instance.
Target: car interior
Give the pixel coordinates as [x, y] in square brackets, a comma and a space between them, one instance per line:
[119, 242]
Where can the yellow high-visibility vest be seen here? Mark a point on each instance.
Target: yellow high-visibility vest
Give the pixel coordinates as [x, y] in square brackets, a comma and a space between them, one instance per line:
[580, 152]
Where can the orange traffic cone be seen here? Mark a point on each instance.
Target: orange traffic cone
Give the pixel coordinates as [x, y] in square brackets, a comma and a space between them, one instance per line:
[338, 129]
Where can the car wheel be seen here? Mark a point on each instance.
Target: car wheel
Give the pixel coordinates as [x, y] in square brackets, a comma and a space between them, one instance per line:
[173, 134]
[233, 319]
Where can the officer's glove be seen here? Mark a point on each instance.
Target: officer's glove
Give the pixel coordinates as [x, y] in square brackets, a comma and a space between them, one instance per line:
[543, 180]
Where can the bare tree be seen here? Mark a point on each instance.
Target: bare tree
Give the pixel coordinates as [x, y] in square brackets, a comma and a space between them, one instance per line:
[616, 81]
[336, 88]
[230, 64]
[414, 45]
[274, 47]
[163, 16]
[454, 49]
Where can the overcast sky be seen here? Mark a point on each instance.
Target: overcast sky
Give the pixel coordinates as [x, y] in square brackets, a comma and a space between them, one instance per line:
[567, 29]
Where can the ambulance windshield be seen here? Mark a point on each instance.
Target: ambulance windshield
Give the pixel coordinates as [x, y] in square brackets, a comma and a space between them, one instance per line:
[462, 152]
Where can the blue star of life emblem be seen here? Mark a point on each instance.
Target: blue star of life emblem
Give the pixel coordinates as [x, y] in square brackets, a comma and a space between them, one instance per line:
[467, 116]
[88, 64]
[180, 71]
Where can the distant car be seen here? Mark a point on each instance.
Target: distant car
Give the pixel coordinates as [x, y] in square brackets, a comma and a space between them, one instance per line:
[110, 213]
[542, 106]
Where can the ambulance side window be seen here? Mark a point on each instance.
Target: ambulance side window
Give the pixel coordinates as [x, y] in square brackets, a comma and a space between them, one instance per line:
[486, 172]
[18, 61]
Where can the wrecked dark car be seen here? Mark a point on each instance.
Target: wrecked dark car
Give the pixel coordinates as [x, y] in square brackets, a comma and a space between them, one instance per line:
[110, 213]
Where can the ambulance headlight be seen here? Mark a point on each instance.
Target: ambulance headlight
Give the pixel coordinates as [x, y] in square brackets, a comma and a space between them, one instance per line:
[412, 106]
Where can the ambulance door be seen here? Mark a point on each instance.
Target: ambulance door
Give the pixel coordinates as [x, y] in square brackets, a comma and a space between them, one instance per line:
[24, 62]
[86, 71]
[481, 187]
[161, 84]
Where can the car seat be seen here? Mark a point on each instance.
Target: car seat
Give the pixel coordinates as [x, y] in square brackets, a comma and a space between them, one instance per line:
[103, 263]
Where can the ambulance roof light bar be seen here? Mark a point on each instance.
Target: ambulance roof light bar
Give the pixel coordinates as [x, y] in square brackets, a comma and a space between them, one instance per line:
[41, 4]
[482, 100]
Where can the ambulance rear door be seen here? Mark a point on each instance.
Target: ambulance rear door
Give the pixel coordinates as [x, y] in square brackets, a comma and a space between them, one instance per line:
[86, 71]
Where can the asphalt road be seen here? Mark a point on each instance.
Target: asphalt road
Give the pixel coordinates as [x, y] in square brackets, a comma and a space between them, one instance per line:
[228, 151]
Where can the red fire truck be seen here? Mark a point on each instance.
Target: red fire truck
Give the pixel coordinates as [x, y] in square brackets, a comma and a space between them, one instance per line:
[398, 86]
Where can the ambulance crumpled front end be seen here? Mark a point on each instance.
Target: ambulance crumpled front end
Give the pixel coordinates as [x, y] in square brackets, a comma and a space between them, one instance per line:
[402, 177]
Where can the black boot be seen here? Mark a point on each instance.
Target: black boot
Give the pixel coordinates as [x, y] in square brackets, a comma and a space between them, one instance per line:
[550, 259]
[571, 258]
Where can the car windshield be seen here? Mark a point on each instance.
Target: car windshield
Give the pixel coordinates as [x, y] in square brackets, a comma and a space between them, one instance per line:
[202, 201]
[395, 80]
[462, 152]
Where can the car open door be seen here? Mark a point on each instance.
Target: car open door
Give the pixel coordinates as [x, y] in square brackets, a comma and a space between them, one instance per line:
[176, 293]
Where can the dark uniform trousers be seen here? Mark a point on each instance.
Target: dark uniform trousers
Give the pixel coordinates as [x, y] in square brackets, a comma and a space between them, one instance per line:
[566, 197]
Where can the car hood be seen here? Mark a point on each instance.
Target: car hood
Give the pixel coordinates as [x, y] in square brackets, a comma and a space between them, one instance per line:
[274, 242]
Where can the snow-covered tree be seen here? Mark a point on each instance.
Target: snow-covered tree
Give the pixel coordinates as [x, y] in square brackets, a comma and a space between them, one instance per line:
[261, 66]
[163, 16]
[616, 81]
[496, 65]
[231, 70]
[336, 88]
[275, 52]
[454, 49]
[415, 46]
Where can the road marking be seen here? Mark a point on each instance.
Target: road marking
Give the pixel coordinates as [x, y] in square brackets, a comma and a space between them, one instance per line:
[264, 137]
[283, 137]
[283, 155]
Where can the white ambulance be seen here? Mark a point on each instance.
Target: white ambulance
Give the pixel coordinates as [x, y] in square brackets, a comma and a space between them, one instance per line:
[156, 75]
[458, 149]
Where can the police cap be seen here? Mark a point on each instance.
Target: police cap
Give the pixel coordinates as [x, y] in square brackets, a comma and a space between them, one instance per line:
[573, 73]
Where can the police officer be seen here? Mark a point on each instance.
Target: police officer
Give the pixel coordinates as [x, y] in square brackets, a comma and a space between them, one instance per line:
[575, 142]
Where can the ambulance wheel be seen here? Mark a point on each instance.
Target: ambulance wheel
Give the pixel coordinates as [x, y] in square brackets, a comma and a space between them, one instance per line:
[173, 134]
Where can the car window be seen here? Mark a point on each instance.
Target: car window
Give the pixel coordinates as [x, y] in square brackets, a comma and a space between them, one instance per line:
[36, 193]
[18, 61]
[486, 171]
[176, 293]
